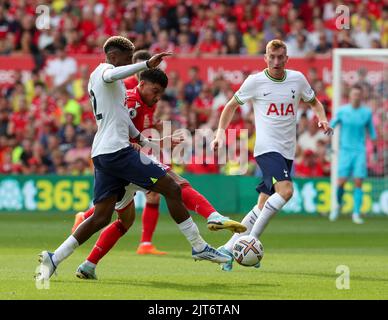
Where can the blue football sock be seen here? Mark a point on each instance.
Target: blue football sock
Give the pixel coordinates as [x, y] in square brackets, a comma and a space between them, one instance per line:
[340, 194]
[357, 196]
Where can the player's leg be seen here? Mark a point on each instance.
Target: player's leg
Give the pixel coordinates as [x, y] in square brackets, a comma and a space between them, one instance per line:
[104, 205]
[341, 190]
[276, 183]
[195, 201]
[107, 239]
[107, 188]
[172, 193]
[103, 210]
[269, 204]
[334, 214]
[80, 217]
[248, 221]
[357, 200]
[150, 218]
[283, 193]
[345, 164]
[359, 173]
[149, 175]
[50, 261]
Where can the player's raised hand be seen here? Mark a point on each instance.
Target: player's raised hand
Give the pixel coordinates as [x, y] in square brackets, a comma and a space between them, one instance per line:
[177, 138]
[136, 146]
[156, 59]
[215, 144]
[326, 128]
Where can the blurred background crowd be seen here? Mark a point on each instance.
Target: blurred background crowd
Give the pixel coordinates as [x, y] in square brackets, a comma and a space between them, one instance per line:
[47, 124]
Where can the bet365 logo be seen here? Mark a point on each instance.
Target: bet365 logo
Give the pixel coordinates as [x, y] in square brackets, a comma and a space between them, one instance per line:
[42, 21]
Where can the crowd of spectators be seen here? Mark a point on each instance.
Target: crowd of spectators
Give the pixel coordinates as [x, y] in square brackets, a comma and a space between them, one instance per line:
[46, 122]
[197, 27]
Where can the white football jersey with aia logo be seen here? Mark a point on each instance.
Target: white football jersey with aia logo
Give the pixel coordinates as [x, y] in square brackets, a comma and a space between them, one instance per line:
[109, 106]
[275, 103]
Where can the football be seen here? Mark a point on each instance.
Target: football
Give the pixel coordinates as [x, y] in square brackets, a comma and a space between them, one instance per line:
[248, 251]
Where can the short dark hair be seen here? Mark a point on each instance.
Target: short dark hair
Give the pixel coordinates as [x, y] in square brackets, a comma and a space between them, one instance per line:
[155, 76]
[141, 55]
[118, 42]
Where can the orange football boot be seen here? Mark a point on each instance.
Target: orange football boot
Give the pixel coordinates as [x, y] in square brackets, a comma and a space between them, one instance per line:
[149, 249]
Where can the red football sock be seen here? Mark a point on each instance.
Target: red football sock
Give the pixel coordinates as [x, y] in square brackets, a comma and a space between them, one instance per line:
[88, 213]
[195, 201]
[149, 220]
[108, 238]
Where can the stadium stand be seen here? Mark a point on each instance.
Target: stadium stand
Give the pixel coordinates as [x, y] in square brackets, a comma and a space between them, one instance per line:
[46, 124]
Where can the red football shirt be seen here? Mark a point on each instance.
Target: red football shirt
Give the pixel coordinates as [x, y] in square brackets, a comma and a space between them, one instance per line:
[142, 115]
[131, 82]
[20, 120]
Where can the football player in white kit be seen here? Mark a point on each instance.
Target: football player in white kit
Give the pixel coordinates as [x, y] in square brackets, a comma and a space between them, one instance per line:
[275, 94]
[117, 163]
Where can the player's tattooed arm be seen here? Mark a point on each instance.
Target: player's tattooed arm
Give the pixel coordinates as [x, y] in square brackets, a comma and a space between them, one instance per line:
[319, 111]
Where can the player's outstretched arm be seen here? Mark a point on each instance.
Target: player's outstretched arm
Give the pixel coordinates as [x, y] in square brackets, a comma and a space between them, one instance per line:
[319, 111]
[156, 59]
[123, 72]
[165, 142]
[225, 119]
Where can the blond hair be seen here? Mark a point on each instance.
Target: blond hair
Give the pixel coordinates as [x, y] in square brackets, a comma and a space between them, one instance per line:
[275, 44]
[119, 42]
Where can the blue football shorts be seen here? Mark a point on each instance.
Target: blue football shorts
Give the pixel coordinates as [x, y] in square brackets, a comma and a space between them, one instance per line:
[352, 163]
[114, 171]
[275, 168]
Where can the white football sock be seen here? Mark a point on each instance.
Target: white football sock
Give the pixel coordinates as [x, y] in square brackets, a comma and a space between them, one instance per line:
[248, 221]
[191, 232]
[214, 215]
[145, 243]
[273, 204]
[90, 264]
[65, 250]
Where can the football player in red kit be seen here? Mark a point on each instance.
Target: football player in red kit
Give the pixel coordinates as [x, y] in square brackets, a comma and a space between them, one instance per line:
[141, 102]
[151, 209]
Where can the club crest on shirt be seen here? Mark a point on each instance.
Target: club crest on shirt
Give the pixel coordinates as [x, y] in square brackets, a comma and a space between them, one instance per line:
[132, 111]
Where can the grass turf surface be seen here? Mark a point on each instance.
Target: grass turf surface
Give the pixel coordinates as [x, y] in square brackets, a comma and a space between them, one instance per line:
[300, 261]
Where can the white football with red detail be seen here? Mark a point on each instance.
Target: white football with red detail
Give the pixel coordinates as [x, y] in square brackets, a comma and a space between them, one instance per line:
[248, 251]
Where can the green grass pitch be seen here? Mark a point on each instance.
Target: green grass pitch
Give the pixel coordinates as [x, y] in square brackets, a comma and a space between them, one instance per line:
[300, 261]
